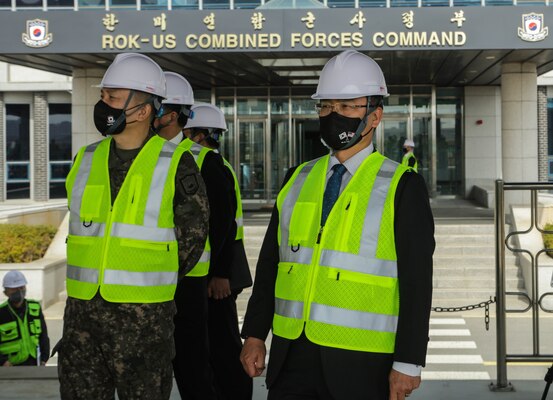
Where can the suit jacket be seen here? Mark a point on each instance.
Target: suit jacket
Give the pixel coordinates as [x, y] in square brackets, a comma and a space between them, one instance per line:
[347, 371]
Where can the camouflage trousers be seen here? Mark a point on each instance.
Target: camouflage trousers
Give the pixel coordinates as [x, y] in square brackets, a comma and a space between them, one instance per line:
[116, 346]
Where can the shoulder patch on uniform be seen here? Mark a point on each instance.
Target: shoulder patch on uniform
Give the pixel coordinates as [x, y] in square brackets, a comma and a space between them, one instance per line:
[189, 184]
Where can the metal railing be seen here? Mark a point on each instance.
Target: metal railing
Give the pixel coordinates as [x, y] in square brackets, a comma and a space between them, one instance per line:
[535, 301]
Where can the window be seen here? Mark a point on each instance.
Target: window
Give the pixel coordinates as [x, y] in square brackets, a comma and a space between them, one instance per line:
[59, 148]
[18, 172]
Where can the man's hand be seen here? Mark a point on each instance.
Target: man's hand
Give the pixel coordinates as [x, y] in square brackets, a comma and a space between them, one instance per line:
[252, 356]
[218, 288]
[402, 385]
[7, 364]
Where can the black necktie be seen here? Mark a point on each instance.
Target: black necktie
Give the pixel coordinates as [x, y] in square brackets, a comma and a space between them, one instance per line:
[332, 190]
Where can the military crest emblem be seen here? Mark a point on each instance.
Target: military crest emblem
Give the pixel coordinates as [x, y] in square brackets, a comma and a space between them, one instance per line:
[533, 29]
[37, 34]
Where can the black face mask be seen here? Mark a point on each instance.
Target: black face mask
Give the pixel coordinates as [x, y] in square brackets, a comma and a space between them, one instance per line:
[405, 150]
[112, 121]
[338, 132]
[109, 120]
[17, 297]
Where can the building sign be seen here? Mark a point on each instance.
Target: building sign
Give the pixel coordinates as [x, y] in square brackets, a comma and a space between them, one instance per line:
[436, 28]
[532, 28]
[36, 34]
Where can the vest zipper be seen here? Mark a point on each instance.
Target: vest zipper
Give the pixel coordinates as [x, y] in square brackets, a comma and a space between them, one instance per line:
[320, 234]
[106, 244]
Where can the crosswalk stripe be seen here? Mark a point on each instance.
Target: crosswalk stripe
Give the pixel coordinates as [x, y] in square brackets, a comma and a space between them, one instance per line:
[455, 375]
[454, 359]
[451, 345]
[449, 332]
[447, 321]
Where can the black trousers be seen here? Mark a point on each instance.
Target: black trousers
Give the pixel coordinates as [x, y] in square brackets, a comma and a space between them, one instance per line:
[191, 364]
[225, 344]
[313, 372]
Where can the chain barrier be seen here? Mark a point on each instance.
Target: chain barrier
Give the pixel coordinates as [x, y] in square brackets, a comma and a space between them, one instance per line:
[483, 304]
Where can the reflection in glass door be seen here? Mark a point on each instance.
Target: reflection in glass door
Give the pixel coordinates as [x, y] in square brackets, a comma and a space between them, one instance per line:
[423, 146]
[280, 155]
[307, 139]
[251, 135]
[393, 132]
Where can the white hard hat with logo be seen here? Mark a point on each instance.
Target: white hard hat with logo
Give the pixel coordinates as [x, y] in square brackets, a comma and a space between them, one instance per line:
[179, 91]
[135, 71]
[14, 279]
[408, 142]
[349, 75]
[207, 116]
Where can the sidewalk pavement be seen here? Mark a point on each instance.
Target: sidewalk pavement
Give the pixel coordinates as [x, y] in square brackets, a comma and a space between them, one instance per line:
[26, 383]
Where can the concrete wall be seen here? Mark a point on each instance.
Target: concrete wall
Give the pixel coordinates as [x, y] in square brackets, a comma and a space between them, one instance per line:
[519, 121]
[482, 142]
[86, 93]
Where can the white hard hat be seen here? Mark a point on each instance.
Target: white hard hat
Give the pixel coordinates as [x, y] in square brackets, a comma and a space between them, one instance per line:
[135, 71]
[349, 75]
[179, 90]
[207, 116]
[14, 279]
[409, 142]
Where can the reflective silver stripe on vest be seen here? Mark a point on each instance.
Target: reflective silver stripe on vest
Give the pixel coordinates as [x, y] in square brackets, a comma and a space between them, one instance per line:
[302, 255]
[353, 319]
[89, 275]
[139, 232]
[375, 209]
[288, 207]
[88, 229]
[157, 186]
[196, 149]
[289, 308]
[77, 192]
[239, 222]
[205, 256]
[356, 263]
[127, 278]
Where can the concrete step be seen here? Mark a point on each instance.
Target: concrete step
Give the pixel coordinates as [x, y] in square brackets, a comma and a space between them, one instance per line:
[464, 250]
[463, 294]
[440, 284]
[480, 240]
[466, 229]
[474, 273]
[487, 259]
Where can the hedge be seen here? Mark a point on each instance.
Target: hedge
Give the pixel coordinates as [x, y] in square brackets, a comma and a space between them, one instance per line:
[23, 243]
[548, 238]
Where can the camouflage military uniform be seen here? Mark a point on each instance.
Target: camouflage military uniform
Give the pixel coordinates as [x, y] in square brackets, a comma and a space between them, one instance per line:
[124, 345]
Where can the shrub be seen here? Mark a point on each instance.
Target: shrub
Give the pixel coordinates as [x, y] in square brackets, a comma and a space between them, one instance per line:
[548, 238]
[24, 243]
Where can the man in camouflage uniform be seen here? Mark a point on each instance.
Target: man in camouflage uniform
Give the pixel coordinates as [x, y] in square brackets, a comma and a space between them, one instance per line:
[119, 345]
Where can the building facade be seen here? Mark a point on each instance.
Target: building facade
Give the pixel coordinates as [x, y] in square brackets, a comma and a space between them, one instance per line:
[477, 100]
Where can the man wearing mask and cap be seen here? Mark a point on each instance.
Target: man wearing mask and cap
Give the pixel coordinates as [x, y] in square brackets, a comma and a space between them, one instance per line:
[344, 276]
[191, 366]
[138, 223]
[229, 271]
[409, 159]
[23, 334]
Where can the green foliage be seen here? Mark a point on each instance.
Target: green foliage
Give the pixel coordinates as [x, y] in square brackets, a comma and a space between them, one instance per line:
[24, 243]
[548, 238]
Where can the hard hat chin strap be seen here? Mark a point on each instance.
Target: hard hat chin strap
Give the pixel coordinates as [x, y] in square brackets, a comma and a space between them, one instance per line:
[121, 117]
[356, 138]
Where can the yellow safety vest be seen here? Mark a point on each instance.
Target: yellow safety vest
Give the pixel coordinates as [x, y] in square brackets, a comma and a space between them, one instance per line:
[405, 161]
[19, 339]
[199, 152]
[239, 218]
[340, 281]
[129, 250]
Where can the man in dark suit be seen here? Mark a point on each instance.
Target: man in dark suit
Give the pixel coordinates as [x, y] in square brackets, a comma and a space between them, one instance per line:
[344, 277]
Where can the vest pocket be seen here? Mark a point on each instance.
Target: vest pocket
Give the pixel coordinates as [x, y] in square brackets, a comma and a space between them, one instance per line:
[156, 246]
[11, 348]
[35, 327]
[302, 225]
[8, 331]
[92, 202]
[359, 277]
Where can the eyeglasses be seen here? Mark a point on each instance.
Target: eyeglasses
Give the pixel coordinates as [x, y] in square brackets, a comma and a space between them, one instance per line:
[341, 108]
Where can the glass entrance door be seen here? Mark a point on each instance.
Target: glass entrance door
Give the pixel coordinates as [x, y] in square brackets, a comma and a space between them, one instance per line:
[252, 171]
[390, 138]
